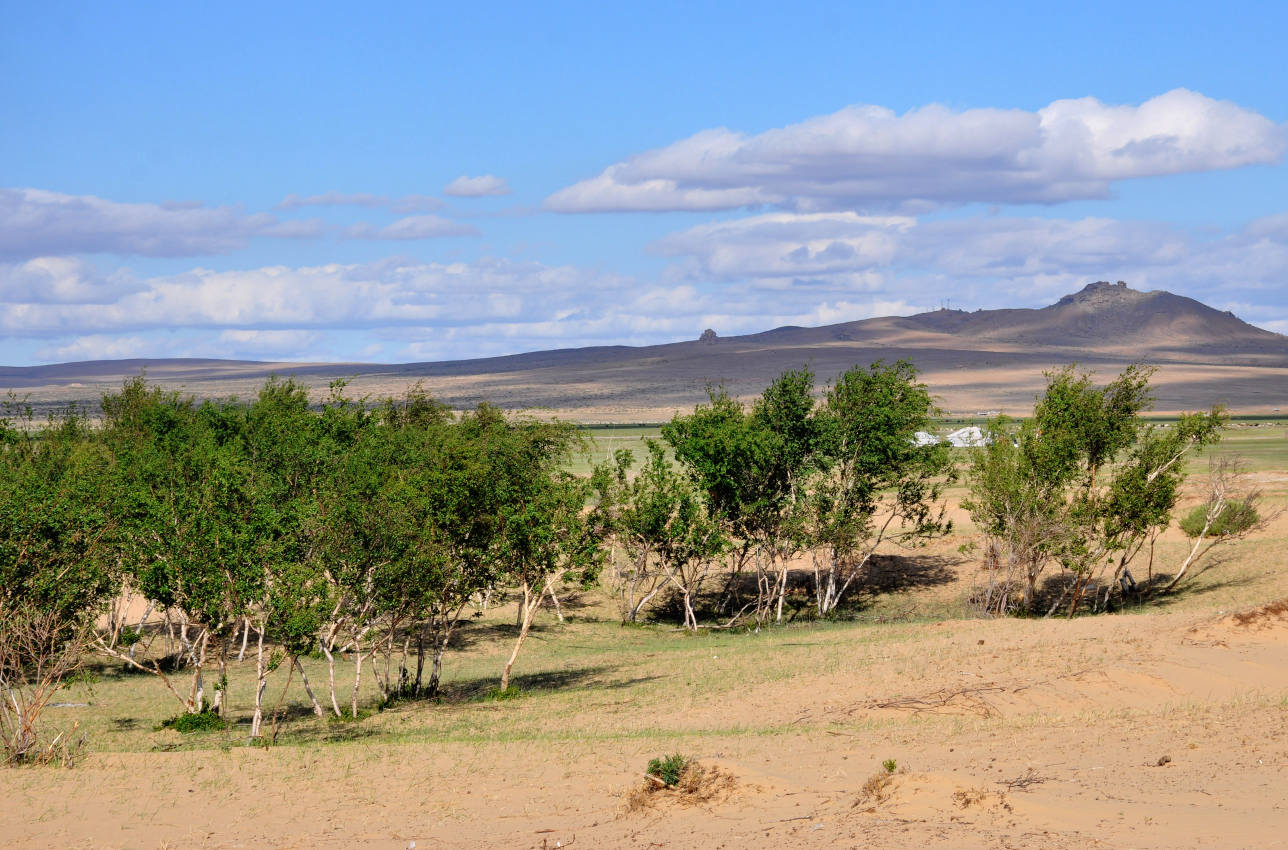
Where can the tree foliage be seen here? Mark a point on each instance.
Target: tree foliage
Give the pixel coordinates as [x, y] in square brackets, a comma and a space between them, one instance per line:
[789, 475]
[1085, 484]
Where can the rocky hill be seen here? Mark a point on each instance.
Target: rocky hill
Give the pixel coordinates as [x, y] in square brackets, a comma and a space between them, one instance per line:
[973, 361]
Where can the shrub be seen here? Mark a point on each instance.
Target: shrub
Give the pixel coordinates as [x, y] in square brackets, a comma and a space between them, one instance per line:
[681, 780]
[668, 769]
[202, 721]
[1234, 519]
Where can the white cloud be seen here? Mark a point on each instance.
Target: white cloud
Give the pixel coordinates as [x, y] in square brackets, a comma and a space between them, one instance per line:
[387, 293]
[737, 277]
[788, 245]
[36, 223]
[869, 158]
[413, 227]
[991, 260]
[415, 203]
[412, 309]
[332, 199]
[96, 347]
[58, 280]
[477, 187]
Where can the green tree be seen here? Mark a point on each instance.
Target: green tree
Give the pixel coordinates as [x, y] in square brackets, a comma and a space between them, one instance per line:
[1084, 484]
[749, 465]
[56, 569]
[875, 482]
[544, 532]
[666, 530]
[181, 494]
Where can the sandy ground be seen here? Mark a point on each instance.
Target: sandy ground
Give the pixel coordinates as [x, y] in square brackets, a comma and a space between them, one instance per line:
[1157, 731]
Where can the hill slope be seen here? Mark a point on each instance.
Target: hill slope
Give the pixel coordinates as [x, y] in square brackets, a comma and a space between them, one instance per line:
[987, 359]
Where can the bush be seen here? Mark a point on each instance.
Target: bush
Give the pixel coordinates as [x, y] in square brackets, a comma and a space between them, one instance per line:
[668, 769]
[680, 780]
[1234, 519]
[202, 721]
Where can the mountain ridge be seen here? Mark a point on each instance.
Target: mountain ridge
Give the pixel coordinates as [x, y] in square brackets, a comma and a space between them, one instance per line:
[973, 360]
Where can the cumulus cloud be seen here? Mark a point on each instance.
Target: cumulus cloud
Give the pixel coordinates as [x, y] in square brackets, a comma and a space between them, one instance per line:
[36, 223]
[870, 158]
[993, 259]
[61, 280]
[736, 276]
[414, 310]
[477, 187]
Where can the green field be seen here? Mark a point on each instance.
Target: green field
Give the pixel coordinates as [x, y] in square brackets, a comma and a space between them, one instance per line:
[1262, 442]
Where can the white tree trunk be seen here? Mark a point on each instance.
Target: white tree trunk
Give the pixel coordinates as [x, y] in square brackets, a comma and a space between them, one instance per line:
[261, 682]
[304, 677]
[529, 607]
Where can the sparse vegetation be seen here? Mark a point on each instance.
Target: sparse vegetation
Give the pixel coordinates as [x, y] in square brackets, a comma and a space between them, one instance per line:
[681, 779]
[876, 790]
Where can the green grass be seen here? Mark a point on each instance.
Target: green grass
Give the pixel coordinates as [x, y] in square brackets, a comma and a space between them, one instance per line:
[604, 440]
[1263, 444]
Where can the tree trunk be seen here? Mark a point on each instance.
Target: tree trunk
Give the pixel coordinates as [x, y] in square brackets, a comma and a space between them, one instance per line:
[436, 670]
[241, 656]
[1192, 557]
[646, 599]
[222, 686]
[420, 660]
[197, 653]
[528, 607]
[261, 682]
[550, 588]
[330, 665]
[304, 677]
[357, 680]
[782, 592]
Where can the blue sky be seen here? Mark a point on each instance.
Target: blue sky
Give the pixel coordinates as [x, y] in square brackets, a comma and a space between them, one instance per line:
[421, 182]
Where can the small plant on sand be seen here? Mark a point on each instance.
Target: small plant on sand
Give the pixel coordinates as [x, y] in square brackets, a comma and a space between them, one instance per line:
[876, 790]
[682, 779]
